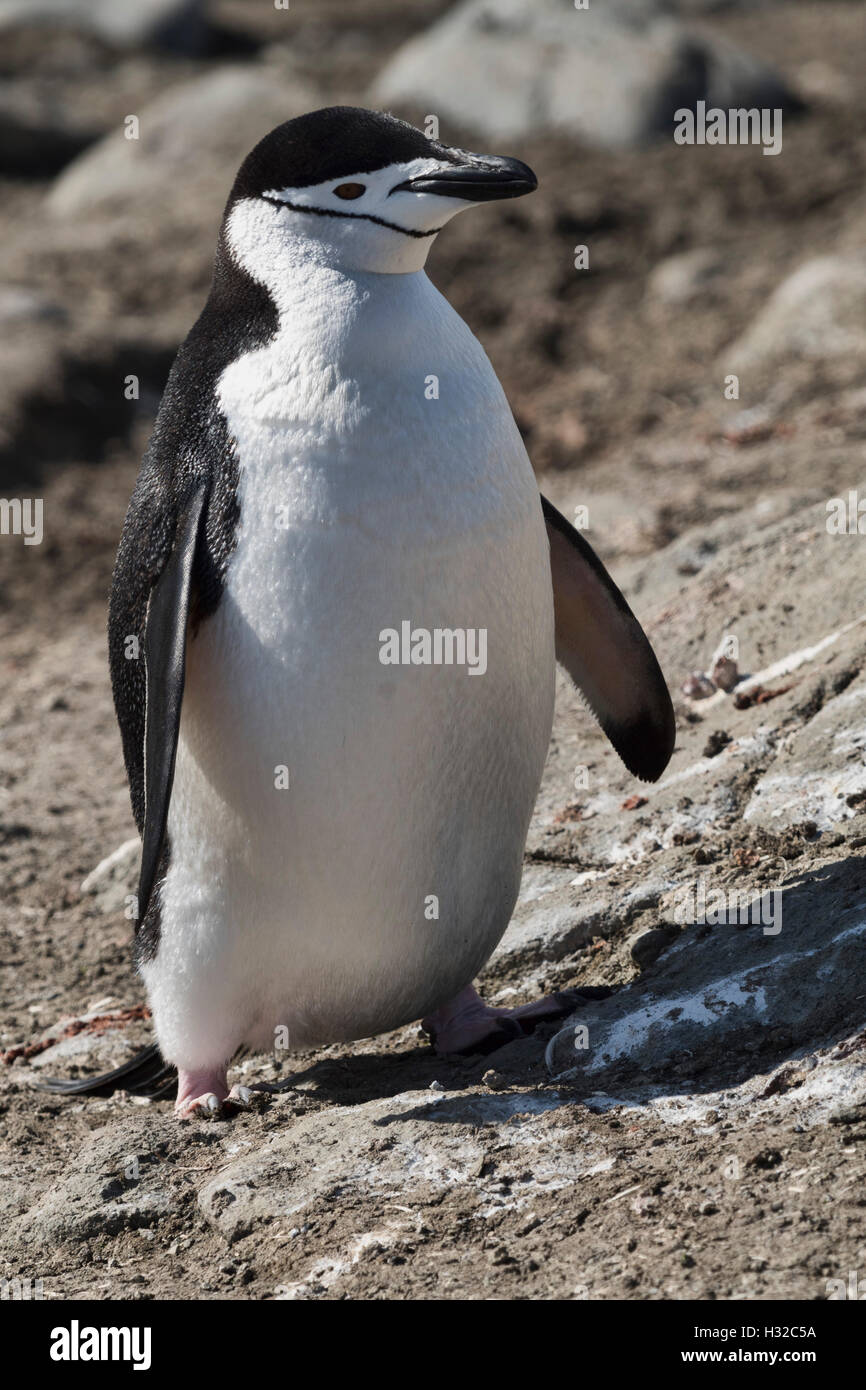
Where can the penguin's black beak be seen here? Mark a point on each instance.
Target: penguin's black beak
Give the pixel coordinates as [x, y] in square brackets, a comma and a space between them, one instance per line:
[476, 178]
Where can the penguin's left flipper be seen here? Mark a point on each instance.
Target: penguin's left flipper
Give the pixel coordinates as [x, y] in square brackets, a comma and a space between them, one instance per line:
[606, 652]
[165, 668]
[151, 757]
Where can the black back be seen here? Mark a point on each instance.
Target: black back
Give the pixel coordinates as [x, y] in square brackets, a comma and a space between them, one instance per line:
[190, 450]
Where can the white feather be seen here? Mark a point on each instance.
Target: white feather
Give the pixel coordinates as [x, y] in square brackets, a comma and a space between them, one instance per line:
[362, 504]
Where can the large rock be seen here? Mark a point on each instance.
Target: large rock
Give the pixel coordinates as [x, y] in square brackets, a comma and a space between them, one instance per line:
[795, 714]
[725, 989]
[818, 312]
[191, 141]
[115, 1184]
[36, 142]
[174, 24]
[820, 774]
[765, 795]
[408, 1147]
[613, 74]
[112, 214]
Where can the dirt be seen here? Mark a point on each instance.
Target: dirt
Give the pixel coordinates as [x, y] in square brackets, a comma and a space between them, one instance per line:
[381, 1170]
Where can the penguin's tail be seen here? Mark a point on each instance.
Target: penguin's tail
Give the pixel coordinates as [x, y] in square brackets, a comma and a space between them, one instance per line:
[145, 1074]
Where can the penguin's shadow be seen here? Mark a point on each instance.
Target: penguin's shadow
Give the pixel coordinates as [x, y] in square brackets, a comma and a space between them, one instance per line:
[356, 1079]
[817, 962]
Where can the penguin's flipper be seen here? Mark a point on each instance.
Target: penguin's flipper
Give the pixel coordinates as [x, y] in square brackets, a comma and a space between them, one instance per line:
[145, 1074]
[165, 667]
[606, 652]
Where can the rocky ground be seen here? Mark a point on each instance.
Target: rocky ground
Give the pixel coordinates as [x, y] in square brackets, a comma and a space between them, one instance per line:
[698, 1129]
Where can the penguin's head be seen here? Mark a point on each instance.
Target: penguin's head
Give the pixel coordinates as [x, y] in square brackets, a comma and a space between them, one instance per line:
[359, 190]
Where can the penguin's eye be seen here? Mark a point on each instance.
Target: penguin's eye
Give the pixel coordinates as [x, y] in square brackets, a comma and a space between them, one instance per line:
[350, 190]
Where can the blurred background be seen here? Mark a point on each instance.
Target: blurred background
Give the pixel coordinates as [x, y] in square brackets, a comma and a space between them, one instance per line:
[615, 372]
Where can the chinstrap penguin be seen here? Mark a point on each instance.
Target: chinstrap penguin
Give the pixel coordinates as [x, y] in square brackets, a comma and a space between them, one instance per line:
[332, 843]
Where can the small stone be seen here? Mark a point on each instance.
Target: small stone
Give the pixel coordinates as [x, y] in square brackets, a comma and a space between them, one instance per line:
[717, 740]
[20, 305]
[698, 686]
[494, 1080]
[724, 672]
[766, 1159]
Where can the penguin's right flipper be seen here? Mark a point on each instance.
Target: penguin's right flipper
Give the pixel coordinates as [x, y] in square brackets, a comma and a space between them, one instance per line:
[145, 1074]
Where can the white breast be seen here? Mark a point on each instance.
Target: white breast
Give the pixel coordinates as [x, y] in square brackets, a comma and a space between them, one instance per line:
[365, 502]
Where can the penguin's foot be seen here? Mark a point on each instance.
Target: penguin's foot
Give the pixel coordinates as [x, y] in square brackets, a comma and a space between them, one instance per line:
[204, 1095]
[201, 1094]
[467, 1025]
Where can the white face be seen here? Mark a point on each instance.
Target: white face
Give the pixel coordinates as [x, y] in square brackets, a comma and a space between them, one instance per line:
[364, 222]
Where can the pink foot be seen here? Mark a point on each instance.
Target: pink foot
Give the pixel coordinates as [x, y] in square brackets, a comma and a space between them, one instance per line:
[201, 1093]
[205, 1095]
[466, 1024]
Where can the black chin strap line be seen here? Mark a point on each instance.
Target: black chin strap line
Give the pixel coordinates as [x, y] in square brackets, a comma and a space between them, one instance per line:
[356, 216]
